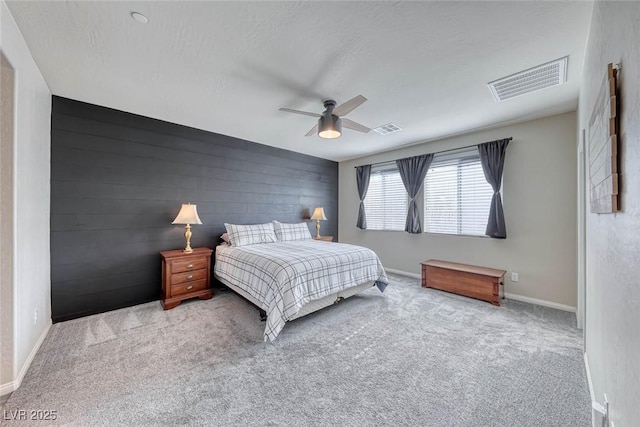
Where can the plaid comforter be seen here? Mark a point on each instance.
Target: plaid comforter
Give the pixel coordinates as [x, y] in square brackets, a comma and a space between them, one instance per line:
[284, 276]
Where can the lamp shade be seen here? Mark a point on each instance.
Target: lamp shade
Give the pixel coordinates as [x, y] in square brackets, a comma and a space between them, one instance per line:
[188, 215]
[318, 214]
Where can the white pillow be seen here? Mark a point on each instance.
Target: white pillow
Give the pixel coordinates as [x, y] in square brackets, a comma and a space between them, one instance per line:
[225, 237]
[244, 235]
[291, 232]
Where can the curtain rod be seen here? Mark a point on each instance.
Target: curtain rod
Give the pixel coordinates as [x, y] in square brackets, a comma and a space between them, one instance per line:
[443, 151]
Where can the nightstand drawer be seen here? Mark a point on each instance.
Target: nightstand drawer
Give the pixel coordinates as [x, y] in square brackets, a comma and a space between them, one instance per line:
[184, 288]
[188, 276]
[191, 263]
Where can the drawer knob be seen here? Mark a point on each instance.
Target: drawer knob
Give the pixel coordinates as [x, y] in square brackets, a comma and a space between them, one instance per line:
[190, 276]
[190, 266]
[189, 287]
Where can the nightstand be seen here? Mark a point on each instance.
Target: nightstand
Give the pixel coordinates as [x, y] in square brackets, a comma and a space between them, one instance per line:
[325, 238]
[185, 276]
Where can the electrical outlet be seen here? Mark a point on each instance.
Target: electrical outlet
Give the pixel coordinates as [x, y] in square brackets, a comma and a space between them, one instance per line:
[514, 277]
[35, 317]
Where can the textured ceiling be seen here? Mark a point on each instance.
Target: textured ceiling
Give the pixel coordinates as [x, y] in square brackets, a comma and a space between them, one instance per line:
[227, 67]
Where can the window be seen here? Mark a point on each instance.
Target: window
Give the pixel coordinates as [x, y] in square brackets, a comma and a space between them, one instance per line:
[457, 197]
[386, 202]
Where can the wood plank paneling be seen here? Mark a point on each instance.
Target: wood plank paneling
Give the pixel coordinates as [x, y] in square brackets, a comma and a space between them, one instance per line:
[118, 180]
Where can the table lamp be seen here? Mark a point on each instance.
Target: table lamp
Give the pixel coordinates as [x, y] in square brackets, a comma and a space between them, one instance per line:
[188, 215]
[318, 215]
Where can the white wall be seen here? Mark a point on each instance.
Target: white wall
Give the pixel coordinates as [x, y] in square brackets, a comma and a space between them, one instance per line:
[6, 220]
[539, 193]
[613, 240]
[32, 150]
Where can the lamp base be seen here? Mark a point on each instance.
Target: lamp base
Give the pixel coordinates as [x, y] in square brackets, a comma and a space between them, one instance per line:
[317, 229]
[187, 235]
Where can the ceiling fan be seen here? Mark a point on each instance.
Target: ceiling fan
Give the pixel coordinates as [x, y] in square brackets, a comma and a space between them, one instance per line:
[330, 122]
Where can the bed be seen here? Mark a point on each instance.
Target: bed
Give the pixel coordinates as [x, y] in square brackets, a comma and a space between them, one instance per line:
[293, 278]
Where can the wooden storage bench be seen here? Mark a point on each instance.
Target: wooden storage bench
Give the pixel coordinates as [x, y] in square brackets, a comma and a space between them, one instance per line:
[462, 279]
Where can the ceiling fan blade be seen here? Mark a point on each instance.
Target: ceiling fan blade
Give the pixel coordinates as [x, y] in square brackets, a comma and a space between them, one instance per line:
[313, 131]
[355, 126]
[306, 113]
[349, 106]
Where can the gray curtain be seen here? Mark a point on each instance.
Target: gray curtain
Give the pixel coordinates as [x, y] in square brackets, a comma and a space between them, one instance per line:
[412, 171]
[363, 173]
[492, 158]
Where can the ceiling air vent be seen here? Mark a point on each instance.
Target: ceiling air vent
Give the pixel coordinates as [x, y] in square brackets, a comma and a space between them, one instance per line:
[546, 75]
[387, 129]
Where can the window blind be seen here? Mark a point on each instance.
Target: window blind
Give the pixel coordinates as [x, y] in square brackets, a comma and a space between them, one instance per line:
[457, 196]
[386, 203]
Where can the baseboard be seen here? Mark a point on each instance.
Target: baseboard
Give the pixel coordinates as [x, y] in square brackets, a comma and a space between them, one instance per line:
[596, 417]
[541, 302]
[586, 367]
[507, 295]
[403, 273]
[6, 388]
[13, 385]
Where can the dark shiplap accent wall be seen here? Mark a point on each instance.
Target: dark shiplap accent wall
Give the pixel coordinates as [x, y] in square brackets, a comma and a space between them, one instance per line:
[118, 180]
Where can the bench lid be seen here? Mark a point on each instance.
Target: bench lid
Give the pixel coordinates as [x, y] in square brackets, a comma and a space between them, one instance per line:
[465, 267]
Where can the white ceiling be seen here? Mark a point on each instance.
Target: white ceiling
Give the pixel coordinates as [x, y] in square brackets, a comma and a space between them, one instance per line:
[227, 67]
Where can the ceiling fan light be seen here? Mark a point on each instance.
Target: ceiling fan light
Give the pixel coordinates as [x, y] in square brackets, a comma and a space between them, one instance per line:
[329, 134]
[329, 127]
